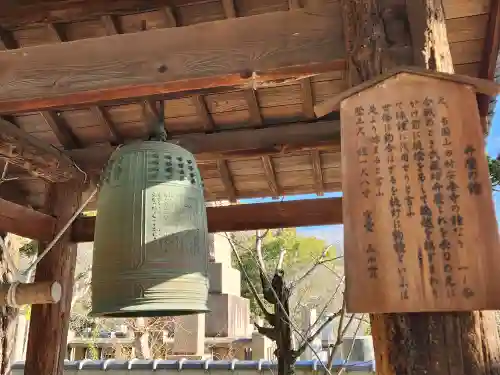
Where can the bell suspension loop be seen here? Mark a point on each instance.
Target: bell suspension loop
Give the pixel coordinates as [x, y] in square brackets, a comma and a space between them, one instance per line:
[158, 132]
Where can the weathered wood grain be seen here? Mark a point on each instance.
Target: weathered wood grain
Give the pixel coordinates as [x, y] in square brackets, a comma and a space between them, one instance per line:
[234, 53]
[231, 144]
[35, 156]
[26, 222]
[241, 217]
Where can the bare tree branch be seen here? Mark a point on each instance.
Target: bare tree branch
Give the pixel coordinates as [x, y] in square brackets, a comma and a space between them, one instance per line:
[340, 334]
[311, 270]
[269, 317]
[311, 338]
[258, 248]
[269, 332]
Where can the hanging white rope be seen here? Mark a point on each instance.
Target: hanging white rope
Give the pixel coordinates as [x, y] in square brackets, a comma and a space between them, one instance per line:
[62, 231]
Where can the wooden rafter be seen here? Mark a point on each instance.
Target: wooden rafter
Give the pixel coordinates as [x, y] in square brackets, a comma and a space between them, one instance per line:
[227, 180]
[235, 143]
[35, 156]
[241, 217]
[267, 163]
[202, 110]
[255, 117]
[229, 8]
[63, 133]
[307, 98]
[106, 123]
[317, 172]
[111, 24]
[7, 40]
[237, 53]
[170, 16]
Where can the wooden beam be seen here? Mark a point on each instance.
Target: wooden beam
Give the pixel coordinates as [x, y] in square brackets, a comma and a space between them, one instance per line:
[236, 53]
[49, 323]
[234, 143]
[241, 217]
[33, 155]
[25, 222]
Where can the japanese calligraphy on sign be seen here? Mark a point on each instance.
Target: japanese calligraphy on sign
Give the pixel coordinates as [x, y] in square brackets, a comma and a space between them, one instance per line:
[420, 229]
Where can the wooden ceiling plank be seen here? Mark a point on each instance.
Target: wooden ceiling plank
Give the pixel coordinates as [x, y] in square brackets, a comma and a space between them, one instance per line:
[228, 144]
[107, 124]
[202, 110]
[242, 217]
[267, 163]
[25, 222]
[318, 173]
[63, 134]
[243, 53]
[227, 180]
[35, 156]
[16, 14]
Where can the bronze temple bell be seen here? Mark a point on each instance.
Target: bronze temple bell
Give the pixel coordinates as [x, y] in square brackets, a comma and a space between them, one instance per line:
[151, 240]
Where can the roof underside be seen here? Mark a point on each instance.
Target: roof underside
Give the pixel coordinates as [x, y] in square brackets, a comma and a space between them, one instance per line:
[214, 110]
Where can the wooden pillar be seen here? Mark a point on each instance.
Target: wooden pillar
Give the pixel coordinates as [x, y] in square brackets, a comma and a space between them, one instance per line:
[382, 34]
[49, 323]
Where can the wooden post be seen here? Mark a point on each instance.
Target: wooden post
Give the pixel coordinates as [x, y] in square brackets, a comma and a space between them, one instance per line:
[49, 323]
[378, 38]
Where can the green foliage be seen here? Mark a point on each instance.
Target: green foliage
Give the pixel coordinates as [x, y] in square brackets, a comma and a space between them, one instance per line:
[494, 169]
[301, 253]
[30, 249]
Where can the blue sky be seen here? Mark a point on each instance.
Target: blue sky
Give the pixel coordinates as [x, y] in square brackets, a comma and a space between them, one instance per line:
[493, 147]
[335, 234]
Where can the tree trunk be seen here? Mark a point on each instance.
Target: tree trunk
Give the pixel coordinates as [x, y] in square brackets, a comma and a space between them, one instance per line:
[141, 339]
[382, 34]
[284, 351]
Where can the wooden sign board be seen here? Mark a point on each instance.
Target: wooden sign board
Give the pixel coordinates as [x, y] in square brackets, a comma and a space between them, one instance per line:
[420, 227]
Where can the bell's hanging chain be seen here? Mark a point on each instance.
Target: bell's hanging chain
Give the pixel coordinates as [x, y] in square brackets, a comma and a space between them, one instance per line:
[159, 133]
